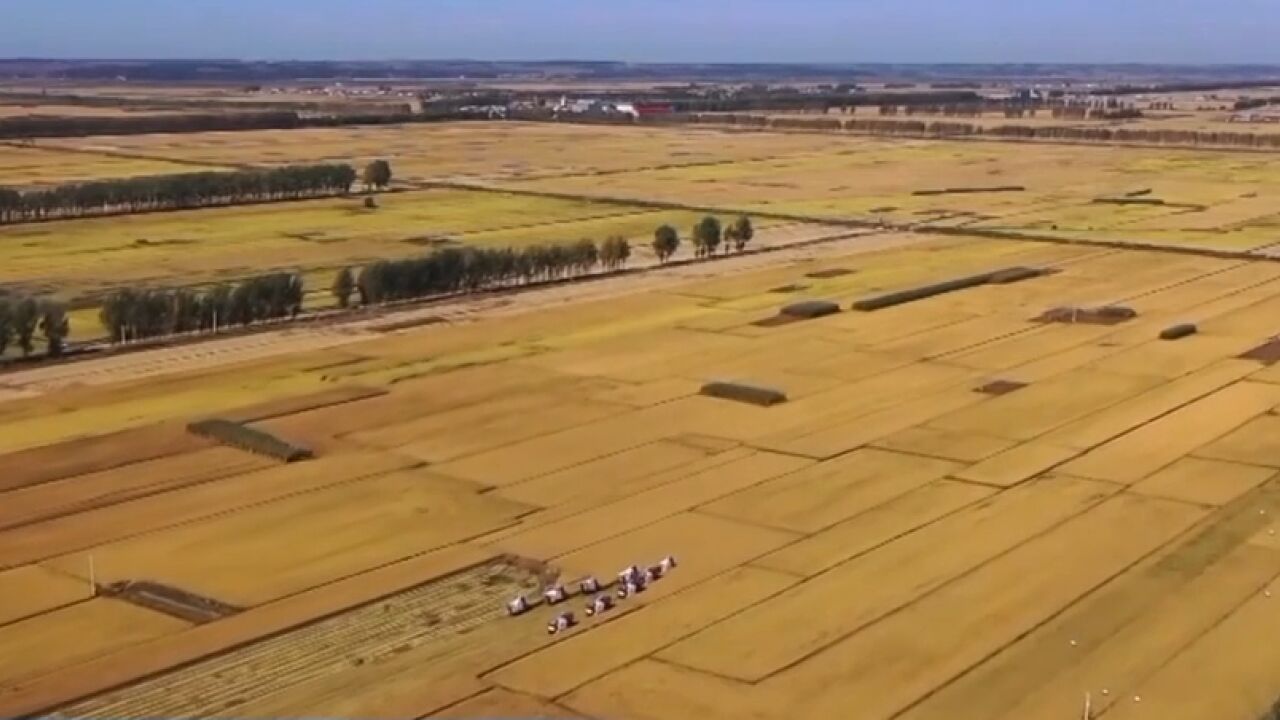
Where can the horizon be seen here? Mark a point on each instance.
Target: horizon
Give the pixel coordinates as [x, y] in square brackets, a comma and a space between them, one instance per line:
[604, 61]
[807, 32]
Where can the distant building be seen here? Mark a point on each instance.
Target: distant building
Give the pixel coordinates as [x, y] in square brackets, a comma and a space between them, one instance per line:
[651, 109]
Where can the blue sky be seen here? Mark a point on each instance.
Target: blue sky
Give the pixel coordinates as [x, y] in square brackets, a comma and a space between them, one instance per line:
[1170, 31]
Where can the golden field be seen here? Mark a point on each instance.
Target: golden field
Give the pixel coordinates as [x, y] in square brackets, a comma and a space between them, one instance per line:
[1211, 199]
[474, 151]
[33, 166]
[887, 543]
[81, 259]
[54, 109]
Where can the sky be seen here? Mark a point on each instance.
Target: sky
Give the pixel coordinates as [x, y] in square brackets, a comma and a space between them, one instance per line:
[826, 31]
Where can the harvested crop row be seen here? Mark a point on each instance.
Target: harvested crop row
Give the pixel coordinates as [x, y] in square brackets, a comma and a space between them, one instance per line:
[372, 632]
[744, 392]
[250, 440]
[966, 190]
[900, 297]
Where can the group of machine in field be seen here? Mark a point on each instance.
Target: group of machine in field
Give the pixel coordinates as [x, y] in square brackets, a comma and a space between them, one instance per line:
[631, 581]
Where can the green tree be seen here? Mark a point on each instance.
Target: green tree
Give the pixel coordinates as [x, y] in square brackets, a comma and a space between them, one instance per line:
[6, 324]
[623, 253]
[372, 283]
[741, 232]
[377, 174]
[614, 252]
[215, 307]
[706, 235]
[344, 285]
[55, 327]
[583, 256]
[665, 242]
[26, 315]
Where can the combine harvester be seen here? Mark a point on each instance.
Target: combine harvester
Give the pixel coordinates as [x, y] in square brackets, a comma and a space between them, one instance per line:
[631, 581]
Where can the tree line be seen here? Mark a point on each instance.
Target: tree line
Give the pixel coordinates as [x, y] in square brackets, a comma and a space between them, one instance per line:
[18, 128]
[921, 128]
[131, 314]
[179, 191]
[138, 313]
[22, 317]
[706, 235]
[468, 269]
[29, 128]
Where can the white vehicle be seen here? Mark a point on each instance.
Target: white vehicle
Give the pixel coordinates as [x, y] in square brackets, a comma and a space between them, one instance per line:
[561, 622]
[599, 605]
[555, 594]
[517, 606]
[667, 563]
[629, 575]
[589, 585]
[633, 587]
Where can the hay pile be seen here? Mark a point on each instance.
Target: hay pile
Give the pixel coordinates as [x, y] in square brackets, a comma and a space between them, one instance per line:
[1104, 315]
[809, 309]
[249, 439]
[901, 297]
[1177, 332]
[744, 392]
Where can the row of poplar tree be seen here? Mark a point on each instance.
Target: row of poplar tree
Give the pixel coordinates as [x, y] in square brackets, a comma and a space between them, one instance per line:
[176, 192]
[707, 236]
[138, 313]
[451, 270]
[21, 318]
[134, 314]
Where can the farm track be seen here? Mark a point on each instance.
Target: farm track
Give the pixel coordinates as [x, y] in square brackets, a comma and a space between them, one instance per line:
[366, 635]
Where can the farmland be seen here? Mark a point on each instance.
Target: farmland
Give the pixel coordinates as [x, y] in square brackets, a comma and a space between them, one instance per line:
[81, 259]
[882, 538]
[965, 506]
[1199, 198]
[40, 166]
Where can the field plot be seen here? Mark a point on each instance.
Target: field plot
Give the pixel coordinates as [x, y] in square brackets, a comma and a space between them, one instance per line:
[1217, 200]
[63, 636]
[31, 590]
[108, 487]
[465, 150]
[898, 537]
[22, 167]
[278, 548]
[74, 532]
[53, 109]
[78, 258]
[416, 621]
